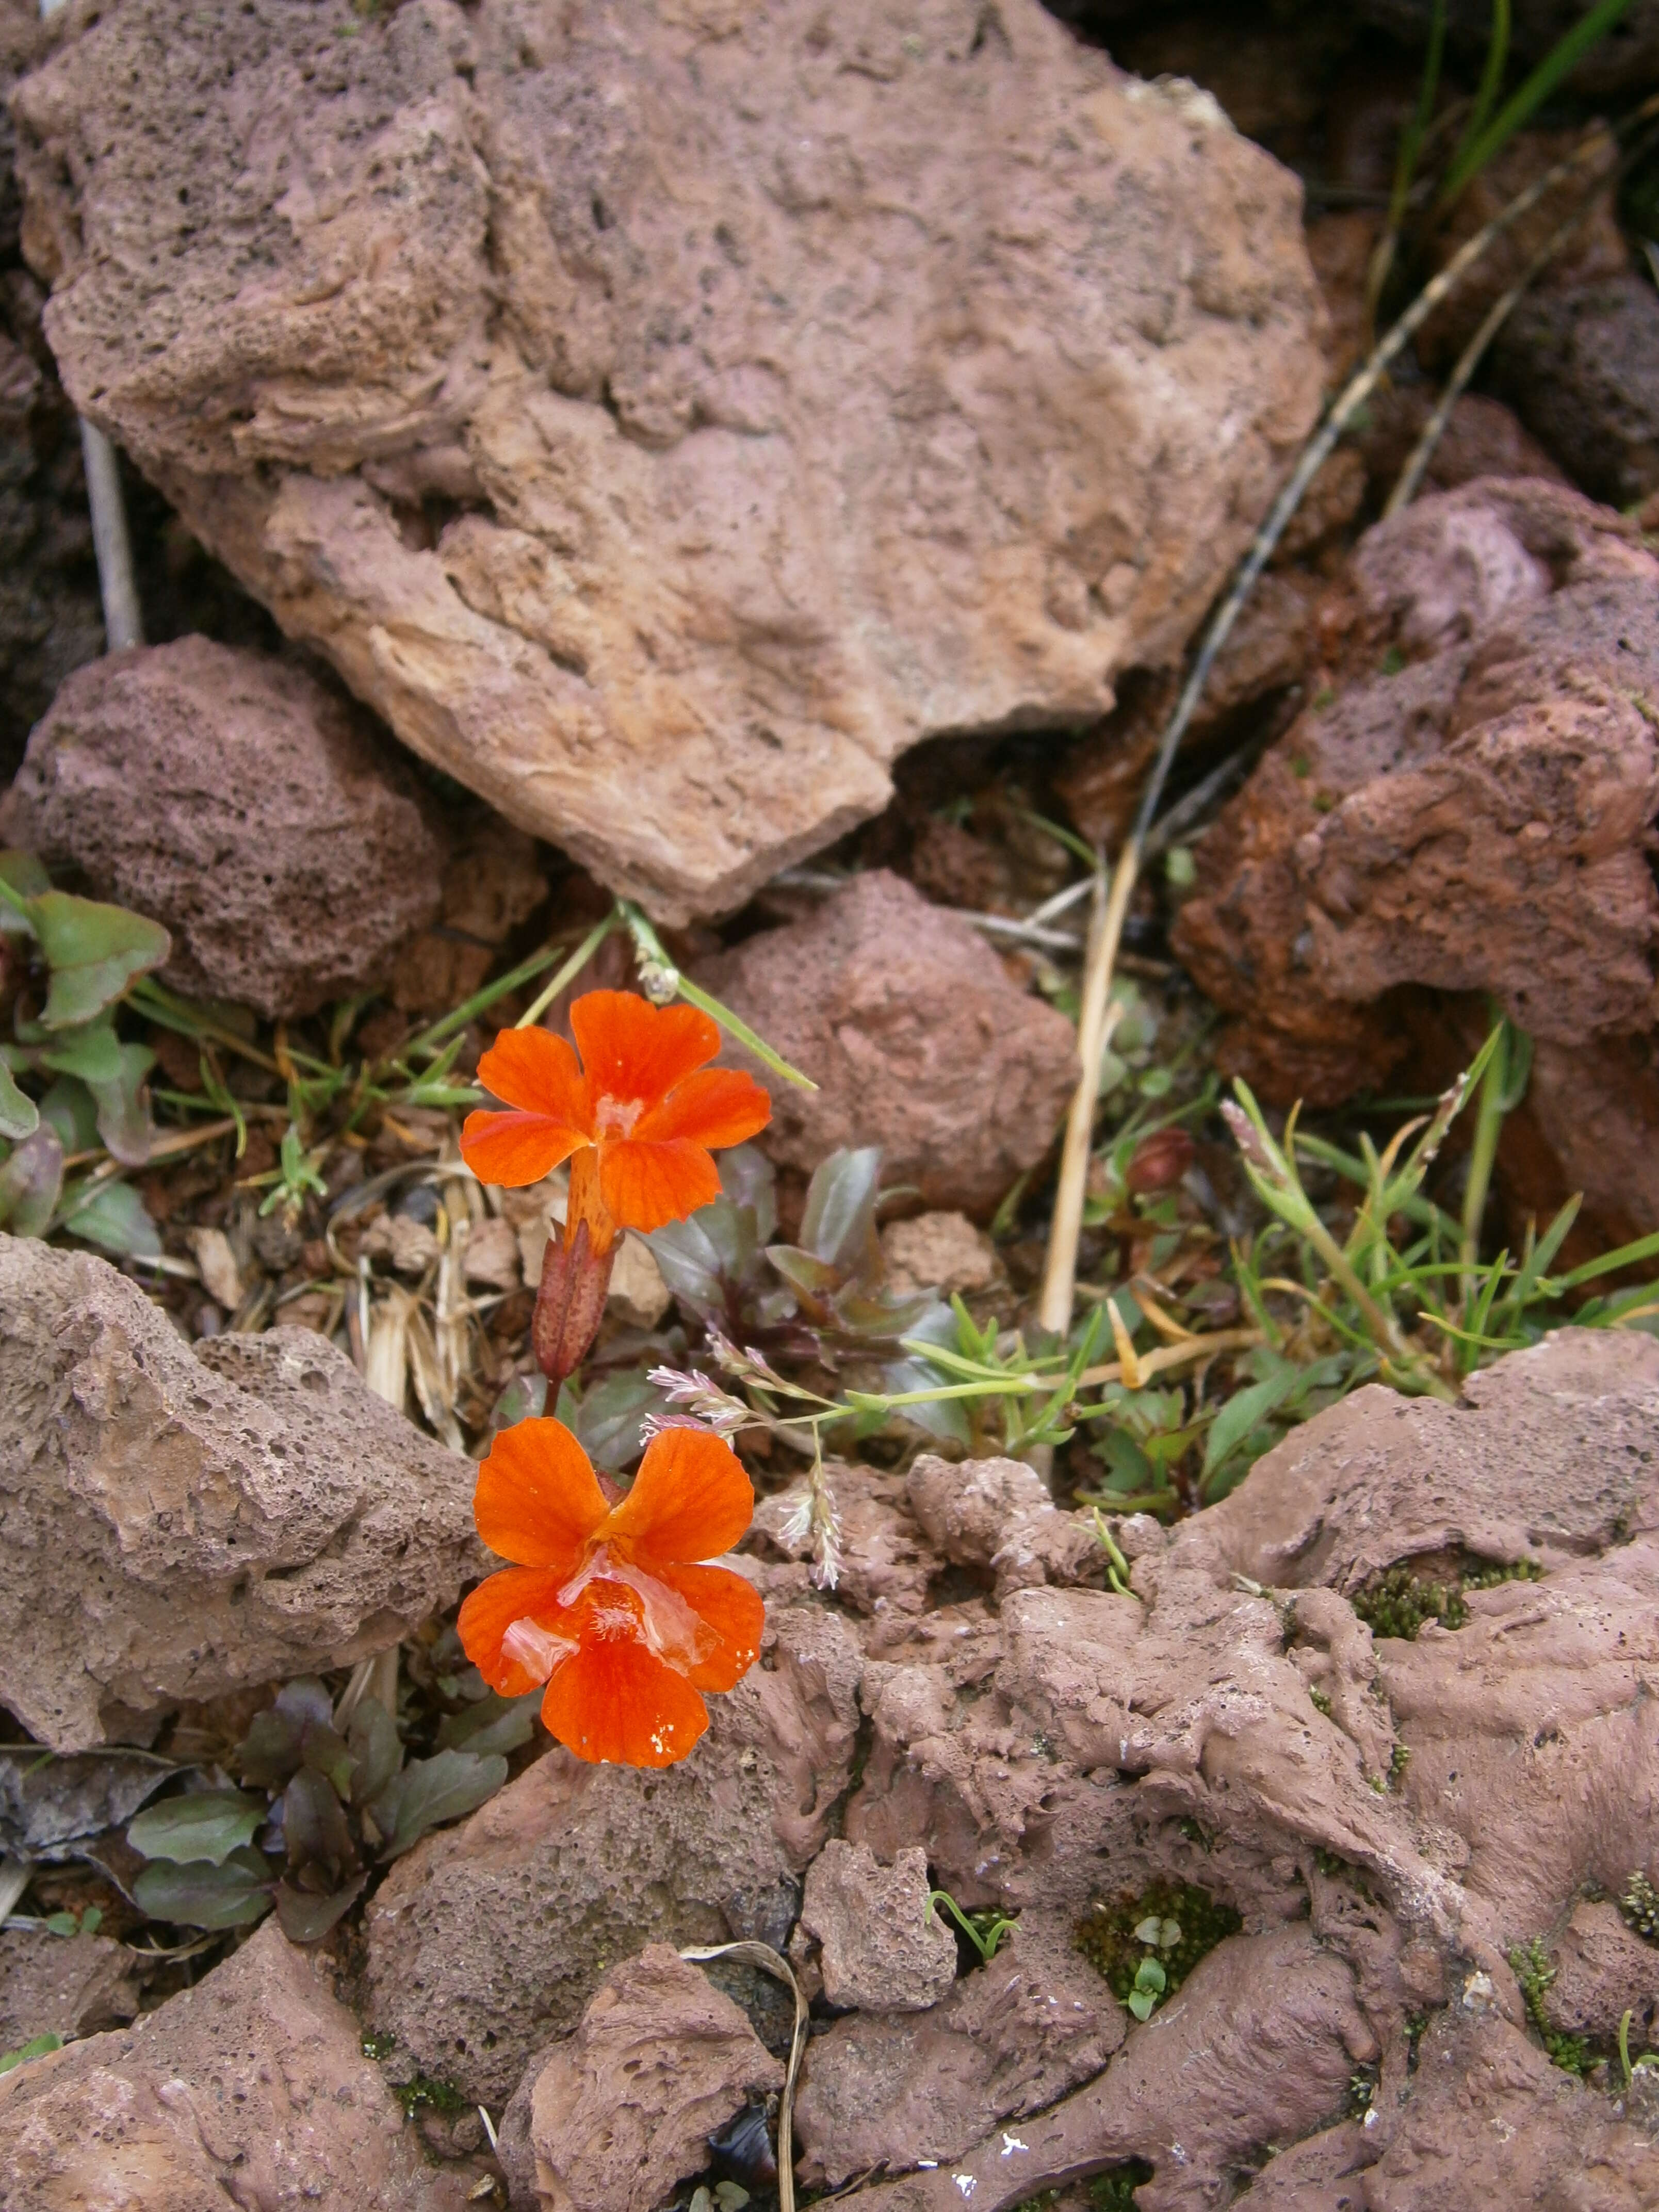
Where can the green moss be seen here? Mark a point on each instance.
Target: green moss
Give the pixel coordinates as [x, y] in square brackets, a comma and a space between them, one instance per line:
[1320, 1701]
[424, 2093]
[1108, 2192]
[1532, 1968]
[1639, 1903]
[1109, 1941]
[379, 2046]
[1398, 1602]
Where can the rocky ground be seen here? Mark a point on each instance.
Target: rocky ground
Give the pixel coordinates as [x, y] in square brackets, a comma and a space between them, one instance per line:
[770, 464]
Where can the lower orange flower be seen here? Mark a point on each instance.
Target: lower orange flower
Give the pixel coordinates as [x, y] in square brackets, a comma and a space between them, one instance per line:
[608, 1604]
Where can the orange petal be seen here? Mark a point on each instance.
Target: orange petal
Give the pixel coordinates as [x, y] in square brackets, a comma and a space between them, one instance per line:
[538, 1501]
[733, 1609]
[647, 1185]
[717, 1106]
[487, 1614]
[690, 1500]
[514, 1149]
[537, 1072]
[633, 1050]
[615, 1701]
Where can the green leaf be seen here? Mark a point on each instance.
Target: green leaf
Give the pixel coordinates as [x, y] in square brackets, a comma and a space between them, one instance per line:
[202, 1895]
[377, 1753]
[606, 1419]
[71, 1109]
[93, 1053]
[123, 1116]
[1244, 1411]
[19, 1116]
[307, 1919]
[29, 1183]
[494, 1723]
[36, 2048]
[62, 1923]
[111, 1215]
[94, 952]
[431, 1790]
[209, 1825]
[839, 1222]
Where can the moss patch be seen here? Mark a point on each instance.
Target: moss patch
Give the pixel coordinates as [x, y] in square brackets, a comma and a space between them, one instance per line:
[1108, 1940]
[1398, 1602]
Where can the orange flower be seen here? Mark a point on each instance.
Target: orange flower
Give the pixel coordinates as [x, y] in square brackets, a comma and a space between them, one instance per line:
[637, 1116]
[608, 1604]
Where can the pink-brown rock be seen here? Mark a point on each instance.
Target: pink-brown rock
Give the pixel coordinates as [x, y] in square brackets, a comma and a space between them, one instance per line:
[1475, 819]
[230, 796]
[916, 1037]
[664, 415]
[182, 1522]
[249, 2089]
[879, 1945]
[486, 1941]
[623, 2108]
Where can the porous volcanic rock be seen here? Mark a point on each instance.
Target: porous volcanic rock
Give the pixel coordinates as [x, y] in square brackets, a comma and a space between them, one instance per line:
[879, 1946]
[900, 2088]
[180, 1523]
[1602, 1971]
[664, 416]
[62, 1985]
[1471, 809]
[913, 1033]
[1260, 2043]
[488, 1940]
[251, 2089]
[230, 796]
[623, 2109]
[1387, 1818]
[1581, 367]
[883, 1563]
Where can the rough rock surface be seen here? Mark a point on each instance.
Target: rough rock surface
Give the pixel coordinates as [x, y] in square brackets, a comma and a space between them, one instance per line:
[251, 2089]
[584, 1863]
[916, 1036]
[997, 1513]
[1084, 1746]
[62, 1985]
[1474, 817]
[1603, 1970]
[1260, 2042]
[878, 1948]
[1581, 367]
[664, 416]
[900, 2087]
[623, 2108]
[180, 1523]
[938, 1251]
[232, 798]
[884, 1563]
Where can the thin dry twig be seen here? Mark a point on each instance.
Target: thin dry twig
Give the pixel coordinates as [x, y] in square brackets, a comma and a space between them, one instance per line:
[1060, 1274]
[773, 1963]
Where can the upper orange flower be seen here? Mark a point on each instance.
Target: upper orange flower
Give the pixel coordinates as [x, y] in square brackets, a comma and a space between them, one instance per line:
[640, 1111]
[607, 1605]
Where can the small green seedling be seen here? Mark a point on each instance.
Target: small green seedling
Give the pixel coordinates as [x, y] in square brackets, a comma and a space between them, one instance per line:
[1150, 1982]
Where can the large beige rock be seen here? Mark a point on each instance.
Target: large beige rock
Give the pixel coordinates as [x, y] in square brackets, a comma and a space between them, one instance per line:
[665, 415]
[180, 1523]
[249, 2089]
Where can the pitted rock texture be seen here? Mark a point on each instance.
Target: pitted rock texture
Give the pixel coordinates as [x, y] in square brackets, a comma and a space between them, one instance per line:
[879, 1945]
[1581, 367]
[59, 1985]
[1004, 2040]
[1471, 807]
[664, 415]
[916, 1036]
[251, 2089]
[179, 1523]
[584, 1863]
[231, 797]
[623, 2109]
